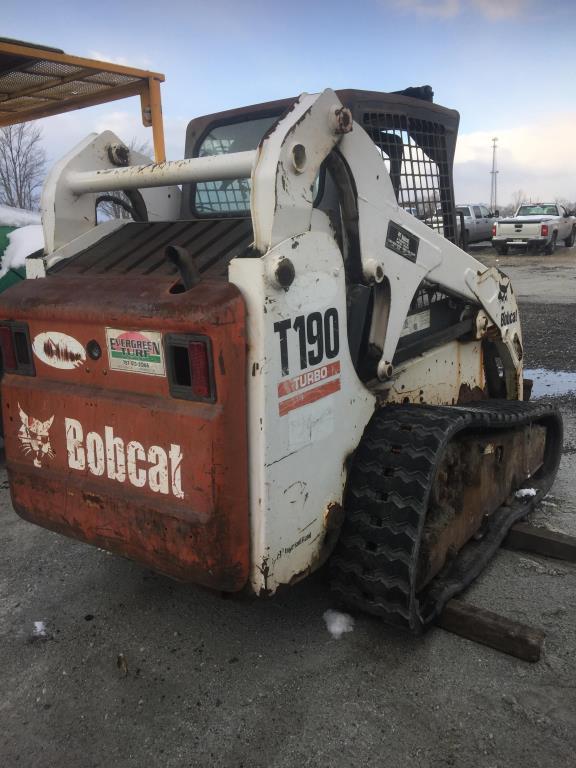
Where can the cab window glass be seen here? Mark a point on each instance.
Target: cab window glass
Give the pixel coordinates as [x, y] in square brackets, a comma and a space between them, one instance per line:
[232, 196]
[477, 211]
[229, 196]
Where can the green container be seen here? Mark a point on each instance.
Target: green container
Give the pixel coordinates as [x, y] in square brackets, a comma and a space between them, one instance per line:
[4, 232]
[13, 276]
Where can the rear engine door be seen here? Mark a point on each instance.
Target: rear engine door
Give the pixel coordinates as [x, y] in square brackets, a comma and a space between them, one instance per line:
[124, 407]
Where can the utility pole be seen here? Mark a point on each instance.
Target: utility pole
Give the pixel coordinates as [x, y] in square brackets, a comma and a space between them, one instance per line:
[494, 174]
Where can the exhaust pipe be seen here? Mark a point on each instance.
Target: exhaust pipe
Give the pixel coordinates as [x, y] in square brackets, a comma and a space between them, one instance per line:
[185, 264]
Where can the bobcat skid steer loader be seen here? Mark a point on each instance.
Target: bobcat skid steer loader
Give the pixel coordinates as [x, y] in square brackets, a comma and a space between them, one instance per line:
[274, 363]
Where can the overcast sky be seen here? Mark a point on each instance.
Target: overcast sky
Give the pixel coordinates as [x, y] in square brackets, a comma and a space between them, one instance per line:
[507, 66]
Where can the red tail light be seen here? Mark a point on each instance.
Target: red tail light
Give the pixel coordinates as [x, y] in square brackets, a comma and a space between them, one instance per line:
[190, 369]
[8, 351]
[544, 230]
[199, 368]
[16, 349]
[493, 230]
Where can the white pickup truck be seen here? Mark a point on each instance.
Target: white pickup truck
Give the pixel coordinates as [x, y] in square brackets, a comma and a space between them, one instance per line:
[535, 227]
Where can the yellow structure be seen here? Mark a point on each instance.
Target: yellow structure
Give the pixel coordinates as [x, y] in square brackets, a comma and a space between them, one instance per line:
[36, 82]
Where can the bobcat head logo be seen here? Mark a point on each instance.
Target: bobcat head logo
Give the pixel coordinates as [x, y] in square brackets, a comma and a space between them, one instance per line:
[35, 438]
[503, 292]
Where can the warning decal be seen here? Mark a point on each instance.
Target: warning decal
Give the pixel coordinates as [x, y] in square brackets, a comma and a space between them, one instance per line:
[308, 387]
[135, 351]
[403, 242]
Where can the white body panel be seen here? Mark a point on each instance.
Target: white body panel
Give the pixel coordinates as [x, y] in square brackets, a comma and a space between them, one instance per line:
[297, 456]
[437, 376]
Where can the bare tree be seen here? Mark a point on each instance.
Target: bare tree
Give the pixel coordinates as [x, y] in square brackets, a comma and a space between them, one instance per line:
[518, 197]
[507, 210]
[117, 205]
[566, 203]
[22, 165]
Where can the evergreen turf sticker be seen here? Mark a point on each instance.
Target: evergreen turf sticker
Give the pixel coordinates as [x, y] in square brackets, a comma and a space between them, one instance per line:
[135, 351]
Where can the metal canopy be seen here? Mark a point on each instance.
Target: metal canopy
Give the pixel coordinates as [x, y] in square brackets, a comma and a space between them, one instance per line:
[36, 81]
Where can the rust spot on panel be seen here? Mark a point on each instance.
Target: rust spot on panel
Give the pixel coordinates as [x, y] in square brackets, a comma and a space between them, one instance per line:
[92, 499]
[299, 576]
[265, 571]
[333, 516]
[468, 394]
[476, 476]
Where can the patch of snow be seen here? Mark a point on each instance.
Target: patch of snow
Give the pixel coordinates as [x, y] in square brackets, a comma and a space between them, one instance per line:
[23, 242]
[17, 217]
[523, 493]
[39, 629]
[338, 623]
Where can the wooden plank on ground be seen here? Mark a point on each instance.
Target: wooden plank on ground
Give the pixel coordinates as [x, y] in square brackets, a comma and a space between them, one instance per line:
[541, 541]
[490, 629]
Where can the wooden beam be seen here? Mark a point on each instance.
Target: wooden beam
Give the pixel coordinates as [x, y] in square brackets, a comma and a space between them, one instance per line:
[541, 541]
[151, 103]
[488, 628]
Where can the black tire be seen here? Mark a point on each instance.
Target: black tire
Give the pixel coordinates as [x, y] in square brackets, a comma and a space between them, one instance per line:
[551, 247]
[502, 250]
[569, 241]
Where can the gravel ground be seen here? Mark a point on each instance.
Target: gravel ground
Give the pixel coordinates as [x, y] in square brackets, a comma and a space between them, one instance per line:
[133, 670]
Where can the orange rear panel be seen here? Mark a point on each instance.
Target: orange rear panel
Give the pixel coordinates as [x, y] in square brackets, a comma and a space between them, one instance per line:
[103, 450]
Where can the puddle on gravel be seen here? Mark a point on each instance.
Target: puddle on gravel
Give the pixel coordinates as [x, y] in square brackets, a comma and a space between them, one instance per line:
[551, 383]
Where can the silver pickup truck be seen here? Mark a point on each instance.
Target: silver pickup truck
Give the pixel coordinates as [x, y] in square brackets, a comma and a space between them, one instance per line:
[535, 227]
[478, 221]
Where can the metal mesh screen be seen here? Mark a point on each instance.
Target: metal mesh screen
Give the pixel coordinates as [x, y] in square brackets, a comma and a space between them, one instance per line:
[108, 78]
[31, 84]
[53, 68]
[425, 296]
[416, 156]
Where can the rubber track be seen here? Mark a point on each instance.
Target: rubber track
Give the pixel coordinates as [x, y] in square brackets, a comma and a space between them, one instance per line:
[374, 566]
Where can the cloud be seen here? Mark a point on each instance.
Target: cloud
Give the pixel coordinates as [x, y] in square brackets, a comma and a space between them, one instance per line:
[124, 124]
[61, 133]
[448, 9]
[500, 9]
[532, 157]
[444, 9]
[138, 62]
